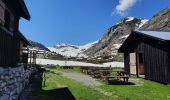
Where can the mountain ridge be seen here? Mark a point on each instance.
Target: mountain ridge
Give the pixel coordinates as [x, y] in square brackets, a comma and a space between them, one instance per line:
[114, 37]
[70, 50]
[107, 46]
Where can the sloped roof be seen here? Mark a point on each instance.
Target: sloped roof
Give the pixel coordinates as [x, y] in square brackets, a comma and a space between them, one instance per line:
[164, 35]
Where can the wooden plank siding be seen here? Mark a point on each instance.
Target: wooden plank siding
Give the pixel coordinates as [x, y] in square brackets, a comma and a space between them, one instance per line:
[8, 49]
[156, 63]
[168, 63]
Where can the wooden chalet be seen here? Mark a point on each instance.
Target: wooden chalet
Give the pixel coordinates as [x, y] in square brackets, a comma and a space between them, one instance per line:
[11, 40]
[147, 55]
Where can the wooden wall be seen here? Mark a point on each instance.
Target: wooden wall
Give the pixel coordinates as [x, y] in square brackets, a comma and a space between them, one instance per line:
[156, 62]
[8, 49]
[169, 63]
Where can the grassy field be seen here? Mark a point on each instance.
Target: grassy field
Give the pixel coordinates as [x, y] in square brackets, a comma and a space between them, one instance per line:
[142, 90]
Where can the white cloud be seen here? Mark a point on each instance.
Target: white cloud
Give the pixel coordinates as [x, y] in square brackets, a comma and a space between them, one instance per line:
[123, 6]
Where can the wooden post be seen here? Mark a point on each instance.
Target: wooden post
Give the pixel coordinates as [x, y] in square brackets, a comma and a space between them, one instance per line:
[30, 57]
[44, 78]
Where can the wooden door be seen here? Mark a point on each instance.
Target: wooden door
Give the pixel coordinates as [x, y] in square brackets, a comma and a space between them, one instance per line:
[133, 63]
[141, 68]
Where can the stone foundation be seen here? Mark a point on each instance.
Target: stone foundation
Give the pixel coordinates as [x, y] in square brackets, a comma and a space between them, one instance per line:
[13, 80]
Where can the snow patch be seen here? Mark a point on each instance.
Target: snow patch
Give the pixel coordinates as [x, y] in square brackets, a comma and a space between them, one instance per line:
[124, 36]
[77, 63]
[69, 50]
[130, 19]
[143, 22]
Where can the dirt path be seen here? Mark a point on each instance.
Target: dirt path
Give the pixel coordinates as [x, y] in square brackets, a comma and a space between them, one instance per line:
[85, 79]
[82, 78]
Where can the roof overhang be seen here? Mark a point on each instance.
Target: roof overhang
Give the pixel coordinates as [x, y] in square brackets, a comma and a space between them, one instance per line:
[24, 11]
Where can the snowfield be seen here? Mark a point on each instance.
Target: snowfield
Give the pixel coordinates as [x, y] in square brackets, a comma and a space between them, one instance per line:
[69, 50]
[77, 63]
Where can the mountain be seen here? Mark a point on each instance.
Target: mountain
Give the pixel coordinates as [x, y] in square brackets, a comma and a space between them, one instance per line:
[160, 21]
[113, 38]
[106, 48]
[69, 50]
[38, 46]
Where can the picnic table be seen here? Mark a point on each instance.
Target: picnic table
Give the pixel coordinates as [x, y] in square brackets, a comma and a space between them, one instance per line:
[120, 75]
[96, 72]
[104, 73]
[125, 78]
[67, 67]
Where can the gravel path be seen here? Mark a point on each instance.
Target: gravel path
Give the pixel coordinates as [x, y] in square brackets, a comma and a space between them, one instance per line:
[82, 78]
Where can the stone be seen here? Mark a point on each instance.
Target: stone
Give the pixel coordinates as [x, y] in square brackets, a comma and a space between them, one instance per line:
[1, 70]
[13, 80]
[2, 84]
[4, 97]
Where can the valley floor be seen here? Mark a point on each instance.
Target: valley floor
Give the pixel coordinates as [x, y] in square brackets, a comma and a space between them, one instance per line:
[63, 84]
[77, 63]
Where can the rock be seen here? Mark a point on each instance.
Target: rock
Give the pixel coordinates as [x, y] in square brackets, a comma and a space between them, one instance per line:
[2, 84]
[4, 97]
[1, 70]
[160, 21]
[12, 81]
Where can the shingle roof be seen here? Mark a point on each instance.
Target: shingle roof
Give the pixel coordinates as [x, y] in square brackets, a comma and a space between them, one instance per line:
[165, 35]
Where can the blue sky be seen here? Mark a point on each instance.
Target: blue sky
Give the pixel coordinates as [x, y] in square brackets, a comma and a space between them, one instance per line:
[81, 21]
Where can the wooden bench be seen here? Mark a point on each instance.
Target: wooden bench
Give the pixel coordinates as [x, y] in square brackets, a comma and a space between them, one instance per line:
[96, 72]
[67, 67]
[125, 78]
[105, 73]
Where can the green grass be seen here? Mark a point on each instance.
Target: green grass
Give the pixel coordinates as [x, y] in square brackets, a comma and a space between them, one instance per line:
[147, 91]
[143, 90]
[79, 90]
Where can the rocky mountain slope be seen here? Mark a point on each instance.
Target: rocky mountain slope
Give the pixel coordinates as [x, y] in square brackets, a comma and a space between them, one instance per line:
[69, 50]
[44, 52]
[114, 37]
[38, 46]
[160, 21]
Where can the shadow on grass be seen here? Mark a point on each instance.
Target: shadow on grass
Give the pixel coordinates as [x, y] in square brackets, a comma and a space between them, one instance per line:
[37, 93]
[117, 82]
[60, 94]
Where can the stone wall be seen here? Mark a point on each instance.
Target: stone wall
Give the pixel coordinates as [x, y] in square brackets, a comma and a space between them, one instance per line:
[13, 80]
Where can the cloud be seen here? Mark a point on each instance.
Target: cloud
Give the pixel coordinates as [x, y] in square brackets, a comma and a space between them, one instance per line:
[124, 6]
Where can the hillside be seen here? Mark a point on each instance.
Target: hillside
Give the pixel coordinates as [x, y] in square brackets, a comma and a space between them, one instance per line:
[160, 21]
[114, 37]
[38, 46]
